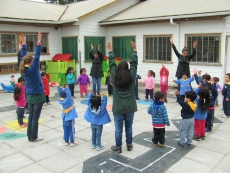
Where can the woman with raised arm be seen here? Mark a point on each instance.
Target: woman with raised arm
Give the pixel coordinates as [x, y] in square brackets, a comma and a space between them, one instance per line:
[124, 101]
[29, 69]
[96, 69]
[183, 59]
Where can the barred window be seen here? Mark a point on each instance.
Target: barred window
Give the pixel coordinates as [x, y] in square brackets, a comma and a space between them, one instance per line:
[157, 48]
[208, 48]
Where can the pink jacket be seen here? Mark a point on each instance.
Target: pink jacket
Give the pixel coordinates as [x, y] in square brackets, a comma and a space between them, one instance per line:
[164, 77]
[22, 98]
[149, 82]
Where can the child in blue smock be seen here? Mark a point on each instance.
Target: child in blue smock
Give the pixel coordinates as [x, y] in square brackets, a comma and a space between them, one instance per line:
[97, 115]
[68, 114]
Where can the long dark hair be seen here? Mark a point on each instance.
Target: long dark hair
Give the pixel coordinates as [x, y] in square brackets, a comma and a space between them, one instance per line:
[68, 70]
[123, 77]
[95, 102]
[17, 92]
[152, 73]
[204, 99]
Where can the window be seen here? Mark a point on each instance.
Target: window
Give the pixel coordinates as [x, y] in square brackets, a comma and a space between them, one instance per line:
[9, 43]
[122, 46]
[69, 46]
[157, 48]
[208, 48]
[95, 41]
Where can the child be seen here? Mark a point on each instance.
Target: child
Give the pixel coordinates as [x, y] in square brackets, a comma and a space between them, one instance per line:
[68, 115]
[149, 85]
[109, 84]
[226, 95]
[70, 80]
[164, 74]
[187, 113]
[185, 83]
[136, 86]
[218, 86]
[20, 98]
[97, 115]
[84, 81]
[213, 95]
[159, 119]
[203, 80]
[45, 81]
[203, 102]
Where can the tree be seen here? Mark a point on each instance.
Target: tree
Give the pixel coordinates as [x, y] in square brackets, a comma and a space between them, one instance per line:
[62, 2]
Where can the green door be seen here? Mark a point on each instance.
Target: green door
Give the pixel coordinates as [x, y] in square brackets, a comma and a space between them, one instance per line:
[95, 41]
[69, 46]
[122, 47]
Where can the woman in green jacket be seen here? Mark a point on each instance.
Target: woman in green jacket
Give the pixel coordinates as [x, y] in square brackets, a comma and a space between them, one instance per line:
[124, 101]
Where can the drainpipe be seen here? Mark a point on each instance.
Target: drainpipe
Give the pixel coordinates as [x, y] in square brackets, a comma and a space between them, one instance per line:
[225, 51]
[178, 32]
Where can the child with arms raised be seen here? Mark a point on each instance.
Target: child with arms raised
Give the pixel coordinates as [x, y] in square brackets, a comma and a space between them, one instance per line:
[164, 75]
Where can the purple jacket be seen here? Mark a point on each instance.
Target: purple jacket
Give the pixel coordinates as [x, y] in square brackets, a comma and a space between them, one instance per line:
[83, 79]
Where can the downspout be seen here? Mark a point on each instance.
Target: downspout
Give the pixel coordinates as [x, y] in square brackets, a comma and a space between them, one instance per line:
[178, 32]
[225, 51]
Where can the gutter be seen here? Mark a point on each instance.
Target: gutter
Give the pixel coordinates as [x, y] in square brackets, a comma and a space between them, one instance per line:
[178, 32]
[163, 18]
[37, 21]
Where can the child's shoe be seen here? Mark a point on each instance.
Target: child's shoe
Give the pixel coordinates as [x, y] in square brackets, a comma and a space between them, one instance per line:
[23, 125]
[137, 98]
[116, 149]
[93, 146]
[161, 145]
[216, 105]
[166, 101]
[155, 144]
[129, 147]
[196, 138]
[73, 144]
[224, 116]
[207, 130]
[82, 96]
[66, 143]
[180, 143]
[202, 137]
[48, 103]
[100, 148]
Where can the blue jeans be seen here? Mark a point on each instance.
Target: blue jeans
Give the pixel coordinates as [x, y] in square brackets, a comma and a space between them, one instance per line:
[118, 119]
[34, 115]
[20, 113]
[187, 127]
[96, 135]
[96, 85]
[69, 130]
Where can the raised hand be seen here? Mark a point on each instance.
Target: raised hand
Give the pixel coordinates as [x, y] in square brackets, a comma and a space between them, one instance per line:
[199, 72]
[39, 36]
[133, 44]
[171, 40]
[98, 48]
[91, 47]
[109, 46]
[195, 71]
[195, 44]
[23, 38]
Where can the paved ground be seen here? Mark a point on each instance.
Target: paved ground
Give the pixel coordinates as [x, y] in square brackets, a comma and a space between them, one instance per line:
[50, 155]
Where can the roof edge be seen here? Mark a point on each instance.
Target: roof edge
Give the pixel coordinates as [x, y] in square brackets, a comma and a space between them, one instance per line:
[37, 21]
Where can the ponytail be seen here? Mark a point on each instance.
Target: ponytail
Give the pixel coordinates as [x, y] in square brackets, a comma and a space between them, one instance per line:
[204, 101]
[17, 92]
[25, 60]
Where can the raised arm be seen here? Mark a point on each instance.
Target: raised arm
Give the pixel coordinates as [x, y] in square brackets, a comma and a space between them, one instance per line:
[112, 63]
[193, 50]
[133, 60]
[103, 102]
[174, 48]
[99, 52]
[89, 98]
[91, 52]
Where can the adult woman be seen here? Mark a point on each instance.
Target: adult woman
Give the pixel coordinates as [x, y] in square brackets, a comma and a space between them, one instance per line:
[184, 59]
[29, 68]
[124, 101]
[96, 69]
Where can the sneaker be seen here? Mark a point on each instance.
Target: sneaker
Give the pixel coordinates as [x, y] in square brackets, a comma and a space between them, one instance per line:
[216, 105]
[100, 148]
[166, 101]
[66, 143]
[224, 116]
[189, 144]
[116, 149]
[48, 103]
[73, 144]
[93, 146]
[137, 99]
[26, 111]
[82, 96]
[202, 137]
[146, 99]
[161, 145]
[180, 143]
[129, 147]
[23, 125]
[151, 100]
[196, 138]
[38, 139]
[155, 144]
[207, 130]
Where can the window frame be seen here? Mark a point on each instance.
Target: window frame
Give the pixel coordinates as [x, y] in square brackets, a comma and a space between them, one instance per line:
[17, 40]
[201, 62]
[144, 49]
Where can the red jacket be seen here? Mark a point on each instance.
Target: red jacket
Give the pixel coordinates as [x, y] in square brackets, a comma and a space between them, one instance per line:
[46, 85]
[164, 77]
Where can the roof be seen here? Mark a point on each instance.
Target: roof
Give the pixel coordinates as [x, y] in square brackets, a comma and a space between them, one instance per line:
[61, 57]
[38, 11]
[165, 9]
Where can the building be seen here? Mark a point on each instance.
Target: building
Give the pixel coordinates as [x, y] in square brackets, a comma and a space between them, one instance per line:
[72, 28]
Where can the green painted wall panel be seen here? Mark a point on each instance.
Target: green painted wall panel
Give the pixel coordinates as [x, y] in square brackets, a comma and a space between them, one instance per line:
[69, 45]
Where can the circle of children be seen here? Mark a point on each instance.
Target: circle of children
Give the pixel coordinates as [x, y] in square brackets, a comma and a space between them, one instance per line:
[197, 106]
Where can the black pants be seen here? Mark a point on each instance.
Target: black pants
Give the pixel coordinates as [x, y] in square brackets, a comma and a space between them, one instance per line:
[71, 88]
[226, 106]
[149, 92]
[47, 99]
[209, 120]
[158, 135]
[110, 89]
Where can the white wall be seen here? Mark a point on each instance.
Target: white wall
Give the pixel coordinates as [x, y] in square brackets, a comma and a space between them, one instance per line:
[198, 27]
[54, 39]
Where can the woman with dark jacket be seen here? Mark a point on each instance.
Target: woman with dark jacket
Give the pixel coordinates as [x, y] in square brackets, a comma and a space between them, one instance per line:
[183, 59]
[96, 69]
